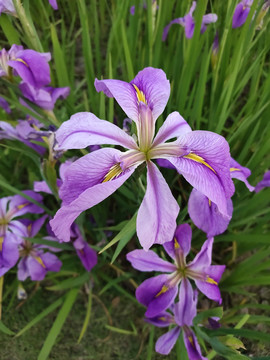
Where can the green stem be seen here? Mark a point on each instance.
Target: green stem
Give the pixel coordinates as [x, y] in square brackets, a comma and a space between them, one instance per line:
[27, 26]
[1, 294]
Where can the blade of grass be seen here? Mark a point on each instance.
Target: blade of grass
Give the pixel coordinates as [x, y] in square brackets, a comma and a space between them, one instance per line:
[40, 316]
[87, 317]
[58, 324]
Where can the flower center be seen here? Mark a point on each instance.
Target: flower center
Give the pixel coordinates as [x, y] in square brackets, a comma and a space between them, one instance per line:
[26, 249]
[3, 221]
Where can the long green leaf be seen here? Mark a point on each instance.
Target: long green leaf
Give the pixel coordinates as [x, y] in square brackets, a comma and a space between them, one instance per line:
[58, 324]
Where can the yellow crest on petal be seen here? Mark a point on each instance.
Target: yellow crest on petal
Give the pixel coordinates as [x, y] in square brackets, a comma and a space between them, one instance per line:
[234, 169]
[22, 61]
[211, 281]
[162, 291]
[19, 207]
[1, 242]
[198, 159]
[140, 95]
[40, 261]
[114, 172]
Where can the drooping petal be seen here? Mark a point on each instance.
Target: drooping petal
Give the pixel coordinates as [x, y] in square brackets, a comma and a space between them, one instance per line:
[19, 205]
[215, 272]
[163, 319]
[166, 342]
[32, 67]
[36, 270]
[156, 295]
[179, 21]
[181, 240]
[186, 308]
[156, 220]
[155, 87]
[192, 346]
[264, 183]
[86, 172]
[44, 97]
[241, 173]
[9, 253]
[207, 166]
[205, 214]
[87, 255]
[84, 129]
[91, 188]
[51, 262]
[209, 287]
[149, 261]
[173, 127]
[39, 268]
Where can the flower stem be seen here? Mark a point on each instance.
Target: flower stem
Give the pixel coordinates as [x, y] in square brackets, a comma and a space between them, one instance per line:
[1, 294]
[27, 26]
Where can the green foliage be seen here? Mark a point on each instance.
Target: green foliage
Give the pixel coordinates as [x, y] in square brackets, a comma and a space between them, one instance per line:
[228, 94]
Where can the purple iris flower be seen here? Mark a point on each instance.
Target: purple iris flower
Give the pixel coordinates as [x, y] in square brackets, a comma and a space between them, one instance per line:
[53, 4]
[11, 229]
[6, 6]
[86, 254]
[241, 173]
[159, 292]
[264, 183]
[45, 97]
[189, 24]
[202, 157]
[4, 105]
[241, 13]
[183, 314]
[205, 214]
[24, 132]
[35, 262]
[30, 65]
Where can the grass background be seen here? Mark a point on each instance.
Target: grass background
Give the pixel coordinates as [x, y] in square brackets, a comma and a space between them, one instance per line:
[229, 94]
